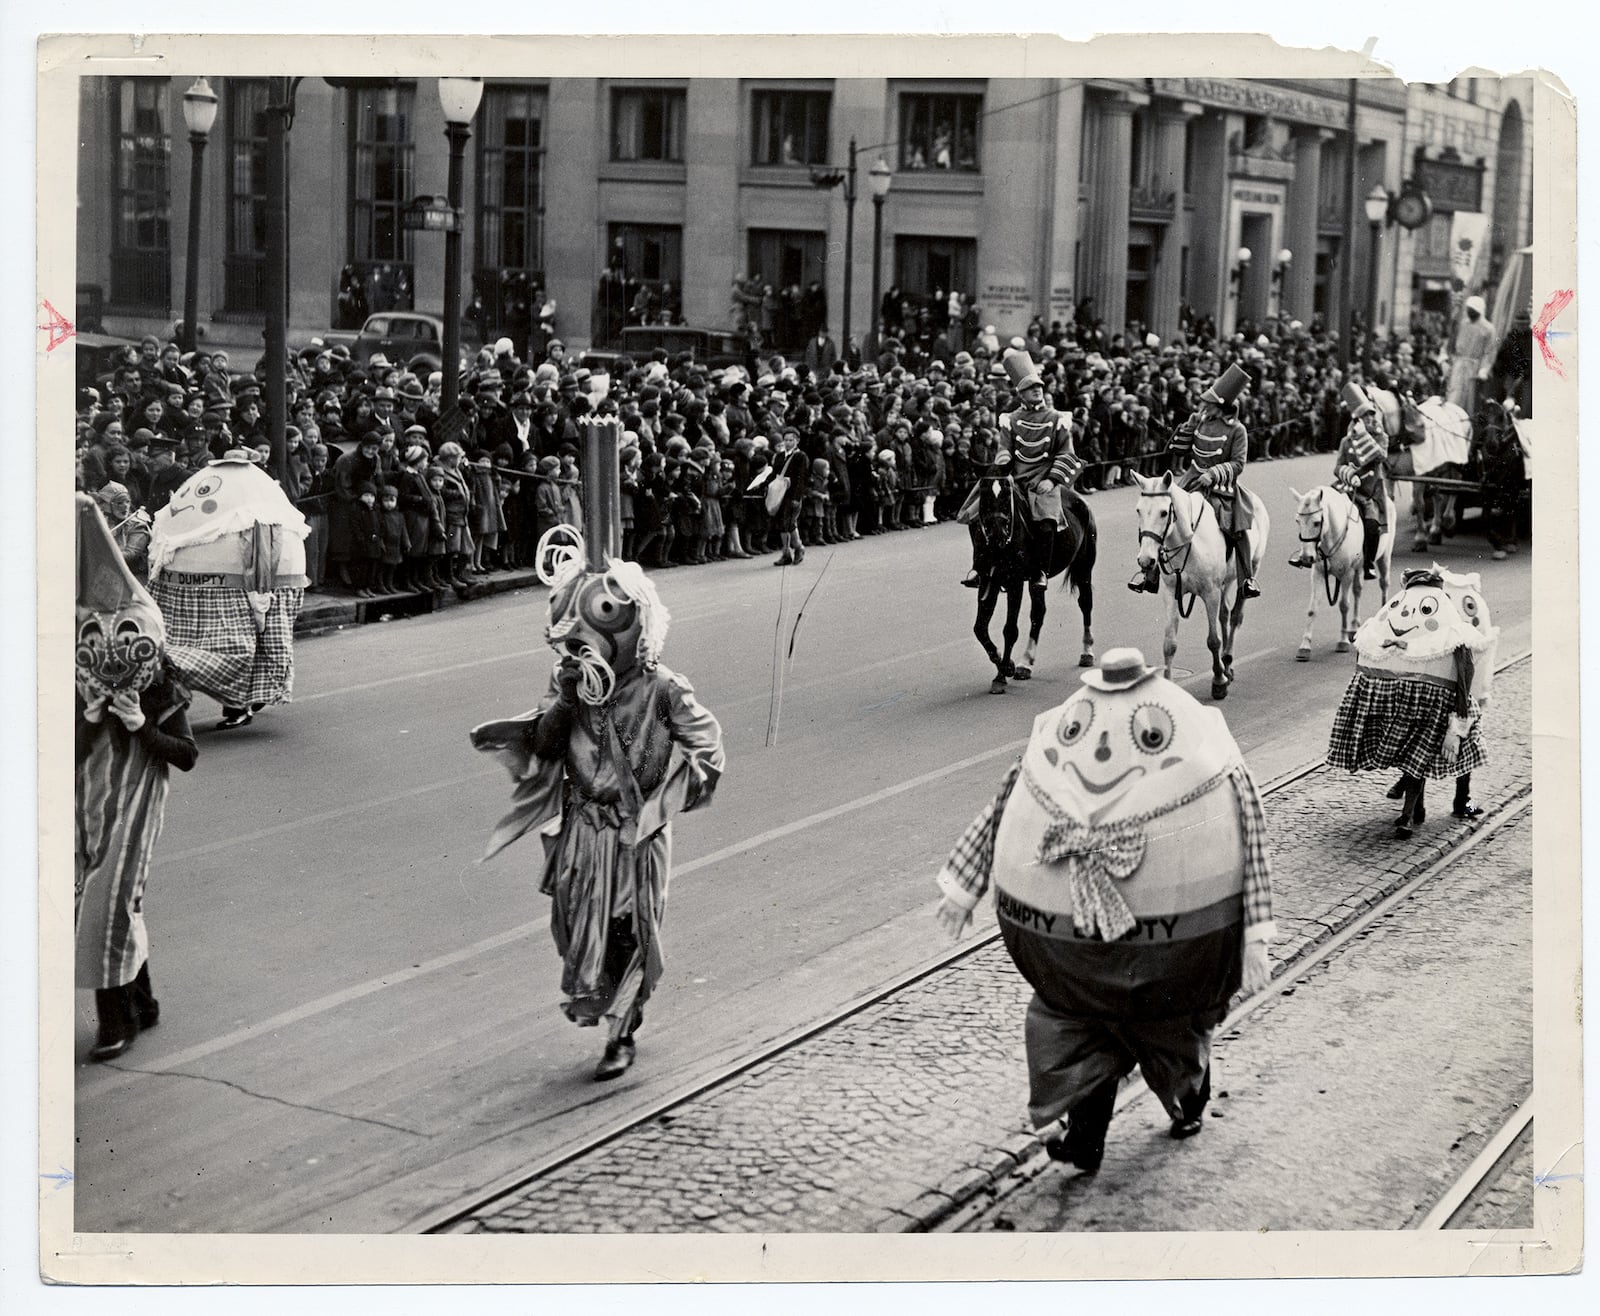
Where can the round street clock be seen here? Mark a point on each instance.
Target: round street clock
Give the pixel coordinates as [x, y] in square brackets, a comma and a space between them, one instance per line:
[1412, 208]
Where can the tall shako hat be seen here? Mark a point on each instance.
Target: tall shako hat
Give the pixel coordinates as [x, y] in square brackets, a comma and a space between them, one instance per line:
[1227, 387]
[1019, 365]
[1358, 402]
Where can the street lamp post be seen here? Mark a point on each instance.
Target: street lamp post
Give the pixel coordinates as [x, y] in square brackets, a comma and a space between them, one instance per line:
[1377, 208]
[199, 113]
[880, 176]
[279, 115]
[849, 247]
[458, 98]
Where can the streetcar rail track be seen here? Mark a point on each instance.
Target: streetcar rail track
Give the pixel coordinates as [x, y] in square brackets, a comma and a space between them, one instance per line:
[982, 1196]
[1485, 1166]
[985, 1198]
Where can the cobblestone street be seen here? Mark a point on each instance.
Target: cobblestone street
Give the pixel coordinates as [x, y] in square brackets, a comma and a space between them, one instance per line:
[886, 1119]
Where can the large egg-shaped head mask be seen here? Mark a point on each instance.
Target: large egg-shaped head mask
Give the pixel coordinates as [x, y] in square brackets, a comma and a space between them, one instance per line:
[1130, 743]
[218, 513]
[1419, 630]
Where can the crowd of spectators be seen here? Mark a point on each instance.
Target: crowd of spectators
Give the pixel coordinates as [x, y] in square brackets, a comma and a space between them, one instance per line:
[402, 496]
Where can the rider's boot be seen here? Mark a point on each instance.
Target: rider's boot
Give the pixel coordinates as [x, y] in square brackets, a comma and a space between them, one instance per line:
[1240, 545]
[1370, 534]
[1043, 546]
[973, 578]
[1146, 580]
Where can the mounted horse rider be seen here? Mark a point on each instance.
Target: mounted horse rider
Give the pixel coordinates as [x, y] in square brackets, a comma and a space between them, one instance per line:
[1359, 470]
[1035, 445]
[1208, 452]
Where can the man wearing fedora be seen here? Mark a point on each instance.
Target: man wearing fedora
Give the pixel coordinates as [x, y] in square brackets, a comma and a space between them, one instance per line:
[1208, 452]
[1035, 448]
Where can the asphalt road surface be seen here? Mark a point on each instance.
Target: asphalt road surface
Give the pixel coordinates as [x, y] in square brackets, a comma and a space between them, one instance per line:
[359, 1021]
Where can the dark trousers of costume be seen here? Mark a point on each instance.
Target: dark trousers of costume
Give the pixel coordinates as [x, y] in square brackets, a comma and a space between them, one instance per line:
[1070, 1057]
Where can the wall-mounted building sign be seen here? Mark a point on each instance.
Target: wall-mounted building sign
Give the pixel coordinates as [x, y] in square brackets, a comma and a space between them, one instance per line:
[1253, 98]
[1258, 196]
[1450, 185]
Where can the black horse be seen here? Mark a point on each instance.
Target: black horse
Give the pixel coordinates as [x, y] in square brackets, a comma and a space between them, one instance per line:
[1008, 544]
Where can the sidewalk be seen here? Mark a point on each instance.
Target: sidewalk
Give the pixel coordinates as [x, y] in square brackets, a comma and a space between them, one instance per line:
[331, 609]
[887, 1119]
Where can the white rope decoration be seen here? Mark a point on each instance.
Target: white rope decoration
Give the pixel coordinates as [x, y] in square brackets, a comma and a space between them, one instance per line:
[559, 555]
[596, 680]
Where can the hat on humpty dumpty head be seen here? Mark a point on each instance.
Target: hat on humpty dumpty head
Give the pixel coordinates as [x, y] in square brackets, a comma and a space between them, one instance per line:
[1227, 387]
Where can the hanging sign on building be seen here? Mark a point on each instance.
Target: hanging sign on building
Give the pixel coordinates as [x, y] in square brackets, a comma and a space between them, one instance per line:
[1468, 232]
[1450, 184]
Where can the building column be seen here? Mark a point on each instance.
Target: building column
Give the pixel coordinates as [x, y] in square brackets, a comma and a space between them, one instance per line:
[1166, 278]
[1106, 242]
[712, 252]
[1300, 224]
[1062, 218]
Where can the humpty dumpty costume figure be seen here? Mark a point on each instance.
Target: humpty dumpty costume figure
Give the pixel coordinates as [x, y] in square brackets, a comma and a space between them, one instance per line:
[1466, 592]
[1128, 852]
[1413, 702]
[228, 569]
[617, 745]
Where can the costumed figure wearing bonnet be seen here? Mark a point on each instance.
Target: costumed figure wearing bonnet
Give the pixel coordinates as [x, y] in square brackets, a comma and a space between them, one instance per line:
[131, 725]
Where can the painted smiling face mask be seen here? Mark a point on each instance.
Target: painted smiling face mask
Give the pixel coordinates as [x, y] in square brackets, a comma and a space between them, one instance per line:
[1419, 630]
[120, 634]
[1125, 807]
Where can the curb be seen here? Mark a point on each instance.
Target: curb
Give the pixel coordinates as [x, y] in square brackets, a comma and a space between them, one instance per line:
[329, 613]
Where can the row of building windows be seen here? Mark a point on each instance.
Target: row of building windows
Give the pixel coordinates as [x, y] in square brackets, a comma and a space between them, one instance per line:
[788, 129]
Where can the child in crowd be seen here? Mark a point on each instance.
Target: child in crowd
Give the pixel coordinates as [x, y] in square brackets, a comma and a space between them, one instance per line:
[366, 539]
[394, 538]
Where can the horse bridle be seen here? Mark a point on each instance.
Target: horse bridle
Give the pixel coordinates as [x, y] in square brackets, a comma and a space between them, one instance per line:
[1165, 556]
[1330, 587]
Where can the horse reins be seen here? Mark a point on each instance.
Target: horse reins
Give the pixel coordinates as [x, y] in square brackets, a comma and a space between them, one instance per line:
[1164, 556]
[1330, 587]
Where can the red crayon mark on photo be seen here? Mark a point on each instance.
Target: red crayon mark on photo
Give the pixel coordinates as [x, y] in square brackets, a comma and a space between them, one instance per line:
[1541, 328]
[57, 326]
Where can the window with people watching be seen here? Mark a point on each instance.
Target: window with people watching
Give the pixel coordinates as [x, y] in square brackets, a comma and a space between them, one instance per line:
[647, 124]
[790, 127]
[939, 131]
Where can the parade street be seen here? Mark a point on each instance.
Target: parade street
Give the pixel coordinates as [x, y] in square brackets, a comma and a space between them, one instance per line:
[360, 1022]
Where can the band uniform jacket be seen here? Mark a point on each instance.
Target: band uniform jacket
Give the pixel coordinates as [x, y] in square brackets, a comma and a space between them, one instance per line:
[1220, 445]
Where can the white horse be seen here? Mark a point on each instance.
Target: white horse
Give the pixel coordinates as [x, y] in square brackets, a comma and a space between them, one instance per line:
[1178, 531]
[1328, 524]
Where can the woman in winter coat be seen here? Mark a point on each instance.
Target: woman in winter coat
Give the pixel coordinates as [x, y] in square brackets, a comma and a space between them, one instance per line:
[416, 505]
[457, 513]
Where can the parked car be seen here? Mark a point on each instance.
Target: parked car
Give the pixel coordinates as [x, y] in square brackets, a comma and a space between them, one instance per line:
[407, 338]
[710, 347]
[98, 356]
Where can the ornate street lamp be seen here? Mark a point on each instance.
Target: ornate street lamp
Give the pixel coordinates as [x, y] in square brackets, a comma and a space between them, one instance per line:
[199, 113]
[881, 177]
[1377, 208]
[459, 99]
